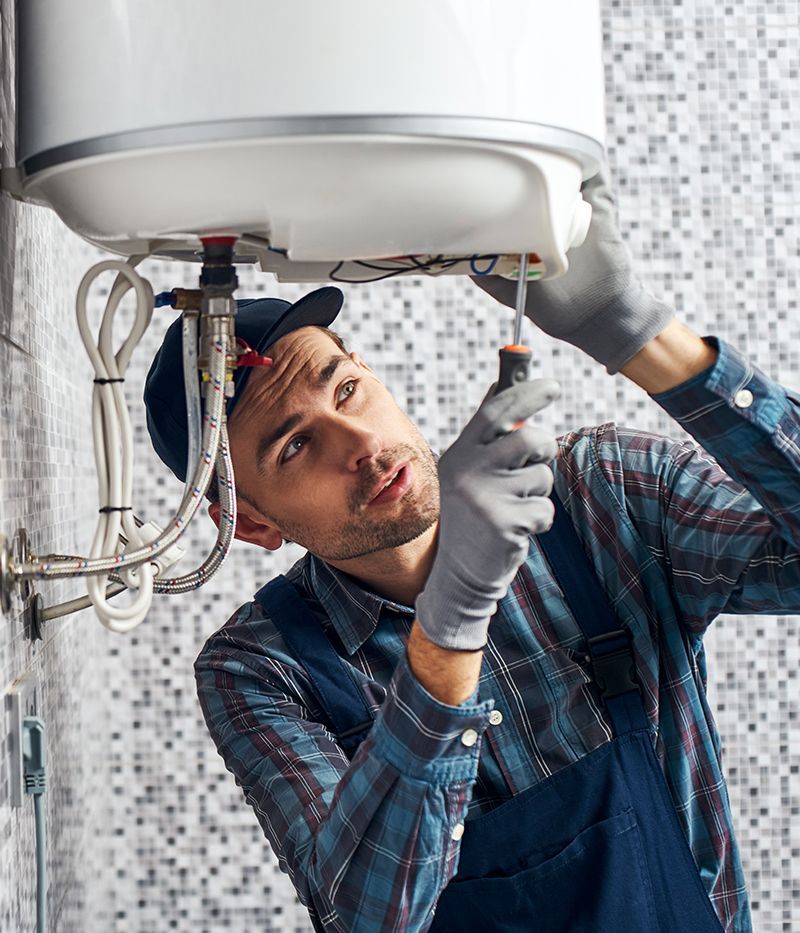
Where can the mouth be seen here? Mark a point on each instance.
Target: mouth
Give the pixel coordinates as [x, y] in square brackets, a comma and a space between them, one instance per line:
[393, 485]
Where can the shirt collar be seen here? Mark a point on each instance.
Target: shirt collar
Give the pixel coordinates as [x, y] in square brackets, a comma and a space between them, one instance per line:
[354, 611]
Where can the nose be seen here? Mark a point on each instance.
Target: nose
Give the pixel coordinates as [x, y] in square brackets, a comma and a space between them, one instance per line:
[359, 443]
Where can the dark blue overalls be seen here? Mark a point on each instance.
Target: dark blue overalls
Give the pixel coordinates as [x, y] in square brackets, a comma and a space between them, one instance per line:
[596, 847]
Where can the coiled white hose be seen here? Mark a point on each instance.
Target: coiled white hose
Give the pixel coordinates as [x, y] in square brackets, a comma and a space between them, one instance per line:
[135, 564]
[113, 441]
[196, 486]
[114, 457]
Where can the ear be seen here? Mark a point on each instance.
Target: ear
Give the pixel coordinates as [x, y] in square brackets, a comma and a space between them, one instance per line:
[359, 362]
[251, 526]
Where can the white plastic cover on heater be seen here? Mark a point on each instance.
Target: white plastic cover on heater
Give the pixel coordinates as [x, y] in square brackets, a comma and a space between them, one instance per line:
[337, 131]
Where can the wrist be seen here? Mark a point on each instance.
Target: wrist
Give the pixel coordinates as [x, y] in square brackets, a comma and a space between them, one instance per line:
[449, 675]
[669, 359]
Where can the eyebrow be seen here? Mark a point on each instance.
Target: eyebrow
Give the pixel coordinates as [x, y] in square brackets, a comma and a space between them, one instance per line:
[327, 371]
[289, 424]
[268, 441]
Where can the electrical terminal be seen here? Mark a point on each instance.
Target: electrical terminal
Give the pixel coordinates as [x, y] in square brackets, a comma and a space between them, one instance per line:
[33, 755]
[534, 268]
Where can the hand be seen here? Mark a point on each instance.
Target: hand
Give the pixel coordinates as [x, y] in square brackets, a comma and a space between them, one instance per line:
[599, 305]
[494, 486]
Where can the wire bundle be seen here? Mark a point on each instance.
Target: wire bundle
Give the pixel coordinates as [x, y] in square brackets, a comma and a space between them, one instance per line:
[405, 265]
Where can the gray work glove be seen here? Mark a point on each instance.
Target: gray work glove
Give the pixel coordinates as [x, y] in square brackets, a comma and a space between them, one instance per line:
[494, 483]
[599, 305]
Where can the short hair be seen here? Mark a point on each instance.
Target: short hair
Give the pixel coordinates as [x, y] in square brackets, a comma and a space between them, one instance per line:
[212, 493]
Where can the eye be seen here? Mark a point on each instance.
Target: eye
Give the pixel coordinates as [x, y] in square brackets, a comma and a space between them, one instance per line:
[347, 389]
[299, 441]
[293, 448]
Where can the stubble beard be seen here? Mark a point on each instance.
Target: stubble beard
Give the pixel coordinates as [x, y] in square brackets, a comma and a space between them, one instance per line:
[362, 534]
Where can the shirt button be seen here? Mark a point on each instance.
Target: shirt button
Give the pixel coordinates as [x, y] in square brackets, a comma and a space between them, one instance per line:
[458, 832]
[495, 717]
[743, 398]
[469, 737]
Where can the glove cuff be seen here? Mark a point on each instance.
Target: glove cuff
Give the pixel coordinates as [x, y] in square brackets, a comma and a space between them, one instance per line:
[450, 626]
[617, 332]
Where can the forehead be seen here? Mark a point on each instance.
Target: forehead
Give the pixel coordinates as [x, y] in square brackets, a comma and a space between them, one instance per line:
[301, 361]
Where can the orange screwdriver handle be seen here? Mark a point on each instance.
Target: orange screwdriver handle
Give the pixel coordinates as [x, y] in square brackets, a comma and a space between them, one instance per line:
[515, 366]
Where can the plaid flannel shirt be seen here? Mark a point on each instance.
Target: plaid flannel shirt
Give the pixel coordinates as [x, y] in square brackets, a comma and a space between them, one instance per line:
[676, 534]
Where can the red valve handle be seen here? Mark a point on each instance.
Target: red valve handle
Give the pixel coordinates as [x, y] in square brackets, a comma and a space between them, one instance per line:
[249, 357]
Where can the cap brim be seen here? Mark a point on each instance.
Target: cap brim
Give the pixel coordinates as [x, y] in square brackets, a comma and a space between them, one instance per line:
[317, 309]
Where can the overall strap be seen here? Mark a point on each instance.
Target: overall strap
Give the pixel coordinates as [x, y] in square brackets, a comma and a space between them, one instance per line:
[332, 681]
[609, 645]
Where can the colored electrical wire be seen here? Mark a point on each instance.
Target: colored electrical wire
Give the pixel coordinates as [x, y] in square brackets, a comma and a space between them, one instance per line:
[487, 270]
[412, 266]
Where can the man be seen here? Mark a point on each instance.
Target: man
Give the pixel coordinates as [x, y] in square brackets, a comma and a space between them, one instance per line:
[449, 716]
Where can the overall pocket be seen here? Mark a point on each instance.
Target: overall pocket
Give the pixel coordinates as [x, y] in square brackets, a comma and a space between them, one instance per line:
[597, 883]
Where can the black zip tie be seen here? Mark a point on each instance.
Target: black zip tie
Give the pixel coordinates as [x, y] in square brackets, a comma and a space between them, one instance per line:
[116, 508]
[102, 382]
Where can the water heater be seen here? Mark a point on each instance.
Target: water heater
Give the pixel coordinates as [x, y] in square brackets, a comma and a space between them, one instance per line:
[346, 140]
[318, 132]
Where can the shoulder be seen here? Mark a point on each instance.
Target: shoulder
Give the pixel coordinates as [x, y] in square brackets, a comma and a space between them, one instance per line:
[608, 473]
[251, 638]
[617, 453]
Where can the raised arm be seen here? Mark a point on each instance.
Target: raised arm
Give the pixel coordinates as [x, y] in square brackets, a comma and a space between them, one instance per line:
[729, 524]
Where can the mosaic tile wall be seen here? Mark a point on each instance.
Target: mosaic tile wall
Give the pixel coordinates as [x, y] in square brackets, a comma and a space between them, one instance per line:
[45, 468]
[704, 143]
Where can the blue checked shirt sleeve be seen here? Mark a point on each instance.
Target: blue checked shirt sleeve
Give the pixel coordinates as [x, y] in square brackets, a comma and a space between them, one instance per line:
[727, 526]
[369, 844]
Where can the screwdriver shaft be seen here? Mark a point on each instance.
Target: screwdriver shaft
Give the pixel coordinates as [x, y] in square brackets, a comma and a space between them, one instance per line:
[522, 294]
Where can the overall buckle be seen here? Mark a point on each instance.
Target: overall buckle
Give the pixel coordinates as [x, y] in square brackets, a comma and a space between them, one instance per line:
[613, 664]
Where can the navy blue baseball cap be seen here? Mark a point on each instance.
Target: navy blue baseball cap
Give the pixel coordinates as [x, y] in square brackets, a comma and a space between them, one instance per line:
[259, 322]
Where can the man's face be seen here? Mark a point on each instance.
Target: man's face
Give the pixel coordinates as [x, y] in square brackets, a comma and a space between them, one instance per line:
[315, 441]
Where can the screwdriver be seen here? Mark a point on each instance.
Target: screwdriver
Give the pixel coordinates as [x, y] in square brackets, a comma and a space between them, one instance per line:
[515, 358]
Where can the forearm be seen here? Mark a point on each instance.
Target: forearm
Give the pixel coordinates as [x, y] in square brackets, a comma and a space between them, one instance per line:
[395, 812]
[746, 421]
[385, 823]
[669, 359]
[449, 676]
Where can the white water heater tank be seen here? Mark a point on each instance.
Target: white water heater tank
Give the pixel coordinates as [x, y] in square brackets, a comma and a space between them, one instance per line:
[331, 130]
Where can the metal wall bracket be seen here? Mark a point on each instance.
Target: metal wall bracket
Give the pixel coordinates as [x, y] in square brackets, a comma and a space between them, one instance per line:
[21, 554]
[7, 580]
[18, 551]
